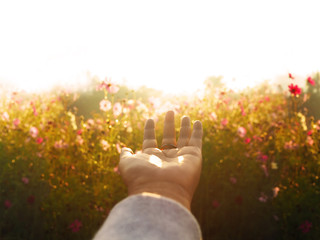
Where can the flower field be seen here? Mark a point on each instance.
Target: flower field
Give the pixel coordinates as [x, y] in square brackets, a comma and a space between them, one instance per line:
[260, 177]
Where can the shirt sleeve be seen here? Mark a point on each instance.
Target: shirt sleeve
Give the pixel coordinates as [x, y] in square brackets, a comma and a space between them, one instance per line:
[149, 217]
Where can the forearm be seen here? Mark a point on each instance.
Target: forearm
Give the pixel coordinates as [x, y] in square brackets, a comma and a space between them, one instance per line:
[151, 217]
[165, 189]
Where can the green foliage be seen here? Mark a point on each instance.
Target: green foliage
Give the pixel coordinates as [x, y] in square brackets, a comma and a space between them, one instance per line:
[58, 169]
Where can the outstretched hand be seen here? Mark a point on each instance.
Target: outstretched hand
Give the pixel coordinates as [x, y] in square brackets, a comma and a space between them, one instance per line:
[171, 171]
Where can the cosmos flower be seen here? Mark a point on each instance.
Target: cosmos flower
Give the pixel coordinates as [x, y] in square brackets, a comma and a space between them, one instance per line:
[39, 140]
[305, 226]
[242, 132]
[16, 122]
[25, 180]
[31, 199]
[33, 132]
[5, 116]
[294, 89]
[105, 105]
[290, 76]
[311, 81]
[224, 122]
[105, 144]
[75, 226]
[263, 197]
[215, 204]
[117, 109]
[275, 191]
[7, 204]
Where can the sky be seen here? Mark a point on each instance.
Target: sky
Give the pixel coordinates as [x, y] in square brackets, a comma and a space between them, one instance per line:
[169, 45]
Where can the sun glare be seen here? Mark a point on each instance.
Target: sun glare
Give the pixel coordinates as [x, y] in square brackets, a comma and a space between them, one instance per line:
[155, 161]
[137, 46]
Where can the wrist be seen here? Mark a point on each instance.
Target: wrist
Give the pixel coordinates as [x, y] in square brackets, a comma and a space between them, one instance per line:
[164, 189]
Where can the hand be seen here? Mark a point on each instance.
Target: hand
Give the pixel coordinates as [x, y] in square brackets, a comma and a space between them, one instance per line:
[172, 173]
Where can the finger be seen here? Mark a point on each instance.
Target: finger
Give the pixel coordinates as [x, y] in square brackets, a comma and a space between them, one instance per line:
[126, 152]
[149, 139]
[169, 132]
[185, 132]
[196, 137]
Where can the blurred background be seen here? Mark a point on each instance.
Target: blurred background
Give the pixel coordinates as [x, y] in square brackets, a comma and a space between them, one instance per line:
[78, 79]
[171, 46]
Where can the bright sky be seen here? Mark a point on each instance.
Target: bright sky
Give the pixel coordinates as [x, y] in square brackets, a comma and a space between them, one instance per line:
[170, 45]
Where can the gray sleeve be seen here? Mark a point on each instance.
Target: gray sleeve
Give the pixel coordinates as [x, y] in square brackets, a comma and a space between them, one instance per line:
[148, 217]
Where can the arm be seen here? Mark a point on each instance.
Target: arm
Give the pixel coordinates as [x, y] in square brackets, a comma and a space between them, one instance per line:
[161, 183]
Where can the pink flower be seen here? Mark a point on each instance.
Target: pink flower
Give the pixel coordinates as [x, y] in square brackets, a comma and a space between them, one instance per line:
[290, 145]
[290, 76]
[265, 170]
[16, 122]
[310, 141]
[309, 133]
[117, 109]
[242, 132]
[7, 204]
[294, 89]
[233, 180]
[5, 116]
[305, 226]
[155, 102]
[247, 140]
[79, 140]
[60, 144]
[263, 198]
[130, 104]
[110, 87]
[311, 81]
[263, 158]
[79, 132]
[215, 204]
[34, 111]
[213, 116]
[39, 140]
[118, 147]
[116, 169]
[113, 89]
[275, 191]
[75, 226]
[224, 122]
[105, 105]
[105, 144]
[25, 180]
[33, 132]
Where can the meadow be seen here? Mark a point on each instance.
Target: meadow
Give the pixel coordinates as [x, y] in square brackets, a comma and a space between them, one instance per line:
[260, 176]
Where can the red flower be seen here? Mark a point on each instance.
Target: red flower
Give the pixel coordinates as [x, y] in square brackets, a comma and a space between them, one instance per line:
[247, 140]
[79, 132]
[311, 81]
[75, 226]
[215, 204]
[39, 140]
[290, 76]
[238, 200]
[294, 89]
[305, 226]
[310, 132]
[31, 199]
[7, 204]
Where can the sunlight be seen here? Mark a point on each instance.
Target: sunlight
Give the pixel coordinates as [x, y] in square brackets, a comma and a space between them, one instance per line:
[155, 161]
[175, 55]
[180, 159]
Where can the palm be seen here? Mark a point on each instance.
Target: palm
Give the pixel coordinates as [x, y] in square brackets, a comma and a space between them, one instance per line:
[180, 166]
